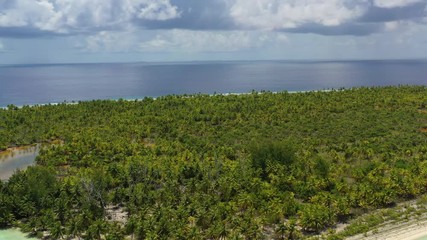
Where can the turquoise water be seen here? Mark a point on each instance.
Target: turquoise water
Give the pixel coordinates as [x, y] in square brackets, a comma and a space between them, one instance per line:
[13, 234]
[422, 238]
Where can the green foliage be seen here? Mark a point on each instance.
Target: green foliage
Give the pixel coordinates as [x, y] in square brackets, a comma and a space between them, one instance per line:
[265, 153]
[316, 217]
[31, 191]
[253, 166]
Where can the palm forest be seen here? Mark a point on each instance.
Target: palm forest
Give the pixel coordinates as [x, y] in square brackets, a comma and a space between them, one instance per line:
[260, 165]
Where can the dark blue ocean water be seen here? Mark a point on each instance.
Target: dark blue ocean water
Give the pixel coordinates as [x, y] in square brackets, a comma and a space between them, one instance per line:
[39, 84]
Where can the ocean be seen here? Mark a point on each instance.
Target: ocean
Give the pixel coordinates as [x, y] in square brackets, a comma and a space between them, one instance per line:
[54, 83]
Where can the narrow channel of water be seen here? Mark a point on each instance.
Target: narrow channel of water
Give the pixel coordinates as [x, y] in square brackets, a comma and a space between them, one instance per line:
[19, 158]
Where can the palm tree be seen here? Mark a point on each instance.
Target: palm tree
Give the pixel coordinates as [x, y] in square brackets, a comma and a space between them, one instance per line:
[56, 231]
[74, 228]
[97, 229]
[131, 226]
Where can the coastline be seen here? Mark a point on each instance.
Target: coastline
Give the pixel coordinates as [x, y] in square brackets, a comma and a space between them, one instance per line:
[130, 99]
[412, 230]
[21, 149]
[410, 223]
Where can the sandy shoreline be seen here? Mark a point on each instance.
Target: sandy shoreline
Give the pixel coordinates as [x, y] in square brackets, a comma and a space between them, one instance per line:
[411, 230]
[22, 150]
[141, 98]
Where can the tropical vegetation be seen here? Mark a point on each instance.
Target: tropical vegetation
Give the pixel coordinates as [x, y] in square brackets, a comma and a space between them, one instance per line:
[252, 166]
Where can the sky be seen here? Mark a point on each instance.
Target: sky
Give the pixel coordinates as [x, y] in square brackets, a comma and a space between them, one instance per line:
[77, 31]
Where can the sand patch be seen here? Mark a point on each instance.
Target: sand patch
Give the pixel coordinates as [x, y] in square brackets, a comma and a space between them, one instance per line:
[404, 231]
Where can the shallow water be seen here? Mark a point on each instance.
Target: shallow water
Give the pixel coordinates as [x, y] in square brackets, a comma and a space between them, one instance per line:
[12, 160]
[13, 234]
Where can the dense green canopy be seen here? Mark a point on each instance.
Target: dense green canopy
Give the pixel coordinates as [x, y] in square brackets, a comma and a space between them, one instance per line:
[273, 165]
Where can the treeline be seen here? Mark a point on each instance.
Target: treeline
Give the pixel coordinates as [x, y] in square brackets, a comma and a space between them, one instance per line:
[253, 166]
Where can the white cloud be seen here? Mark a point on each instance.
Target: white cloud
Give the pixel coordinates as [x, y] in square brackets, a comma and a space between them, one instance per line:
[106, 41]
[402, 27]
[407, 33]
[68, 16]
[211, 41]
[392, 26]
[181, 41]
[158, 10]
[29, 17]
[25, 12]
[282, 14]
[395, 3]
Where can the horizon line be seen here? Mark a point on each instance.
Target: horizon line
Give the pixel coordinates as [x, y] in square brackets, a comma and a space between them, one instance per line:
[216, 61]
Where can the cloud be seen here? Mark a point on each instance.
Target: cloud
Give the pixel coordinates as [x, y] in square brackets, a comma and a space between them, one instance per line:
[1, 47]
[35, 18]
[106, 41]
[208, 41]
[407, 33]
[158, 10]
[198, 41]
[197, 15]
[25, 13]
[288, 14]
[355, 29]
[80, 16]
[182, 41]
[326, 17]
[377, 14]
[395, 3]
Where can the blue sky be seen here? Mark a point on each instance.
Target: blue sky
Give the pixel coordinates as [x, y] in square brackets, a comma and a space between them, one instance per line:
[63, 31]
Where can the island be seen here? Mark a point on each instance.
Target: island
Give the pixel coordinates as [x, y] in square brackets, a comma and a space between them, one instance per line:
[320, 164]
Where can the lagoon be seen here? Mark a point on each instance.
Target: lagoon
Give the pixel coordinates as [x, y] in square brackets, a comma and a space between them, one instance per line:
[14, 159]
